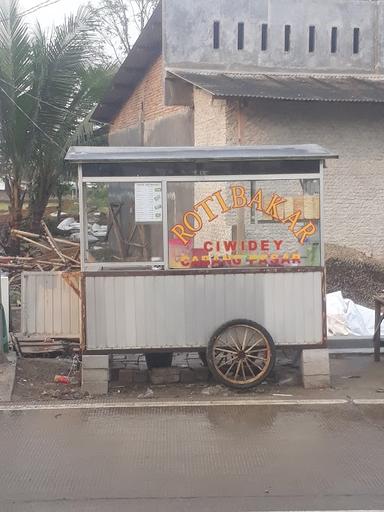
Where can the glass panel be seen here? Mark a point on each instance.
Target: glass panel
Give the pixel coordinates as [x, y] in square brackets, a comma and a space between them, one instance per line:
[246, 223]
[125, 222]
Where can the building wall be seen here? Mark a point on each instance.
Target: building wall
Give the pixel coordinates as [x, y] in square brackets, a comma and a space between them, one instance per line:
[354, 213]
[197, 19]
[219, 122]
[354, 131]
[145, 120]
[210, 120]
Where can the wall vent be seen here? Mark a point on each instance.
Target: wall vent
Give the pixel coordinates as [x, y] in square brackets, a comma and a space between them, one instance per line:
[264, 37]
[216, 35]
[356, 40]
[311, 41]
[334, 40]
[287, 38]
[240, 36]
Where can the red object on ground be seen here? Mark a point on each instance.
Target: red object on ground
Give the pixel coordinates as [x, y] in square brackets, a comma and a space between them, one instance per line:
[62, 379]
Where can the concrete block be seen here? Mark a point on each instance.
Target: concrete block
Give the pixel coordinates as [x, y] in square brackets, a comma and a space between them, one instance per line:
[95, 388]
[201, 374]
[114, 375]
[140, 376]
[315, 369]
[94, 375]
[93, 361]
[315, 362]
[191, 375]
[187, 376]
[164, 375]
[316, 381]
[126, 376]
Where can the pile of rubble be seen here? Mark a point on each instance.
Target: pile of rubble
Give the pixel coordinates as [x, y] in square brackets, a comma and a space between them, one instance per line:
[96, 231]
[42, 252]
[358, 276]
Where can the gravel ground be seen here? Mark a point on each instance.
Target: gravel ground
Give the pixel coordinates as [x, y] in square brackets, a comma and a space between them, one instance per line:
[358, 276]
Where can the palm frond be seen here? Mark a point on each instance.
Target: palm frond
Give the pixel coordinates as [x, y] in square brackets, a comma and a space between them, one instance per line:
[15, 75]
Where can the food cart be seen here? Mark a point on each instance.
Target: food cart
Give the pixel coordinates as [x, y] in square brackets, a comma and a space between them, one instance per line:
[203, 249]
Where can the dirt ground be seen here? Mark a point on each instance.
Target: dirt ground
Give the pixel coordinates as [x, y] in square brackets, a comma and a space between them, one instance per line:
[358, 276]
[35, 382]
[352, 376]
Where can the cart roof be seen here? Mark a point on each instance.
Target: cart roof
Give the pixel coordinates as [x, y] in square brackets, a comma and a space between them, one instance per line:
[105, 154]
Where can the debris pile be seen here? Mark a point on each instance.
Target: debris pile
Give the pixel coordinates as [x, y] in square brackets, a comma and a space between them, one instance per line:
[42, 252]
[358, 276]
[96, 231]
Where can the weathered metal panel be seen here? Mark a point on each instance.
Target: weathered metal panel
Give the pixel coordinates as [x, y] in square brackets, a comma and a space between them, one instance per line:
[287, 87]
[100, 154]
[156, 311]
[50, 306]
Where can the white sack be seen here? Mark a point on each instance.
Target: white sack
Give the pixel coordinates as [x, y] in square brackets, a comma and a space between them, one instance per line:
[345, 318]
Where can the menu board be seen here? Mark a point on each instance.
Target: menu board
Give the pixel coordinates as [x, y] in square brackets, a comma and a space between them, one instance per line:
[148, 203]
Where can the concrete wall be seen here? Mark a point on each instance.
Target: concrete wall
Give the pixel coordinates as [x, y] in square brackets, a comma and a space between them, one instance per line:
[354, 213]
[188, 34]
[145, 120]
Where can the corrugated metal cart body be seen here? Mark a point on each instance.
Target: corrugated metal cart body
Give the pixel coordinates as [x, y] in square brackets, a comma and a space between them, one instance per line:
[140, 312]
[153, 302]
[50, 306]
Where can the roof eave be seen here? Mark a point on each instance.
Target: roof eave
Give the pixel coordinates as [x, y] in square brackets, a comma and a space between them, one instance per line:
[144, 52]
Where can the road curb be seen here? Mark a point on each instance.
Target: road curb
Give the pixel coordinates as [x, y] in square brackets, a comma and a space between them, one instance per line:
[181, 404]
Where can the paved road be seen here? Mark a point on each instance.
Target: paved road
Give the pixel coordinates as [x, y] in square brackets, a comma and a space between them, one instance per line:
[221, 458]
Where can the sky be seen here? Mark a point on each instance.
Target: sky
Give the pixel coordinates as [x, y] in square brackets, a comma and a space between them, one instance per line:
[53, 14]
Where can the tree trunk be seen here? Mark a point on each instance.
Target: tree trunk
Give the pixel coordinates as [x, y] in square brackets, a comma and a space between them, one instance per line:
[16, 197]
[36, 213]
[59, 205]
[38, 202]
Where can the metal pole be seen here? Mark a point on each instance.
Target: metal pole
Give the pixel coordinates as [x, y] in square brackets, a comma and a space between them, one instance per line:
[2, 357]
[376, 335]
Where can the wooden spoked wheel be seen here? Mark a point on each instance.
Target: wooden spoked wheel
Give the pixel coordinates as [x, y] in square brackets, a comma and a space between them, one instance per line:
[241, 354]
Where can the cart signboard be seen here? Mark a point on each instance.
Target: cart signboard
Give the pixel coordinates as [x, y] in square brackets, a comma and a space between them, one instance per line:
[246, 224]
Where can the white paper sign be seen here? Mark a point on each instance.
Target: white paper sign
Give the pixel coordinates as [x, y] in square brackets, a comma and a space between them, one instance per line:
[148, 202]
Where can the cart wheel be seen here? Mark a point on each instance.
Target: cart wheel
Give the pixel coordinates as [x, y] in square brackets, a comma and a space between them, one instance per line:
[241, 354]
[159, 359]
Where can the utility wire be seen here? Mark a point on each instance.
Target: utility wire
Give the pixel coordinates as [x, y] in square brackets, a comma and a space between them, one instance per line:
[65, 110]
[30, 119]
[34, 97]
[37, 7]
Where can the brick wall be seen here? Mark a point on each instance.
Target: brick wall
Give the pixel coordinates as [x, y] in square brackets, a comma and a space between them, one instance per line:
[146, 102]
[210, 120]
[354, 215]
[354, 189]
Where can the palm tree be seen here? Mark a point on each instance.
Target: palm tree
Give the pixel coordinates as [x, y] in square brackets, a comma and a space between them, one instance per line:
[48, 87]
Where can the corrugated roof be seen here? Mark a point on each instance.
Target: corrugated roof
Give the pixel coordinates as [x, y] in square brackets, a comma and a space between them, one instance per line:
[145, 51]
[105, 154]
[287, 87]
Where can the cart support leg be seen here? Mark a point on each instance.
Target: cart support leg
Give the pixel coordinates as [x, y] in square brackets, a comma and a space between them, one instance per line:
[315, 369]
[95, 374]
[376, 335]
